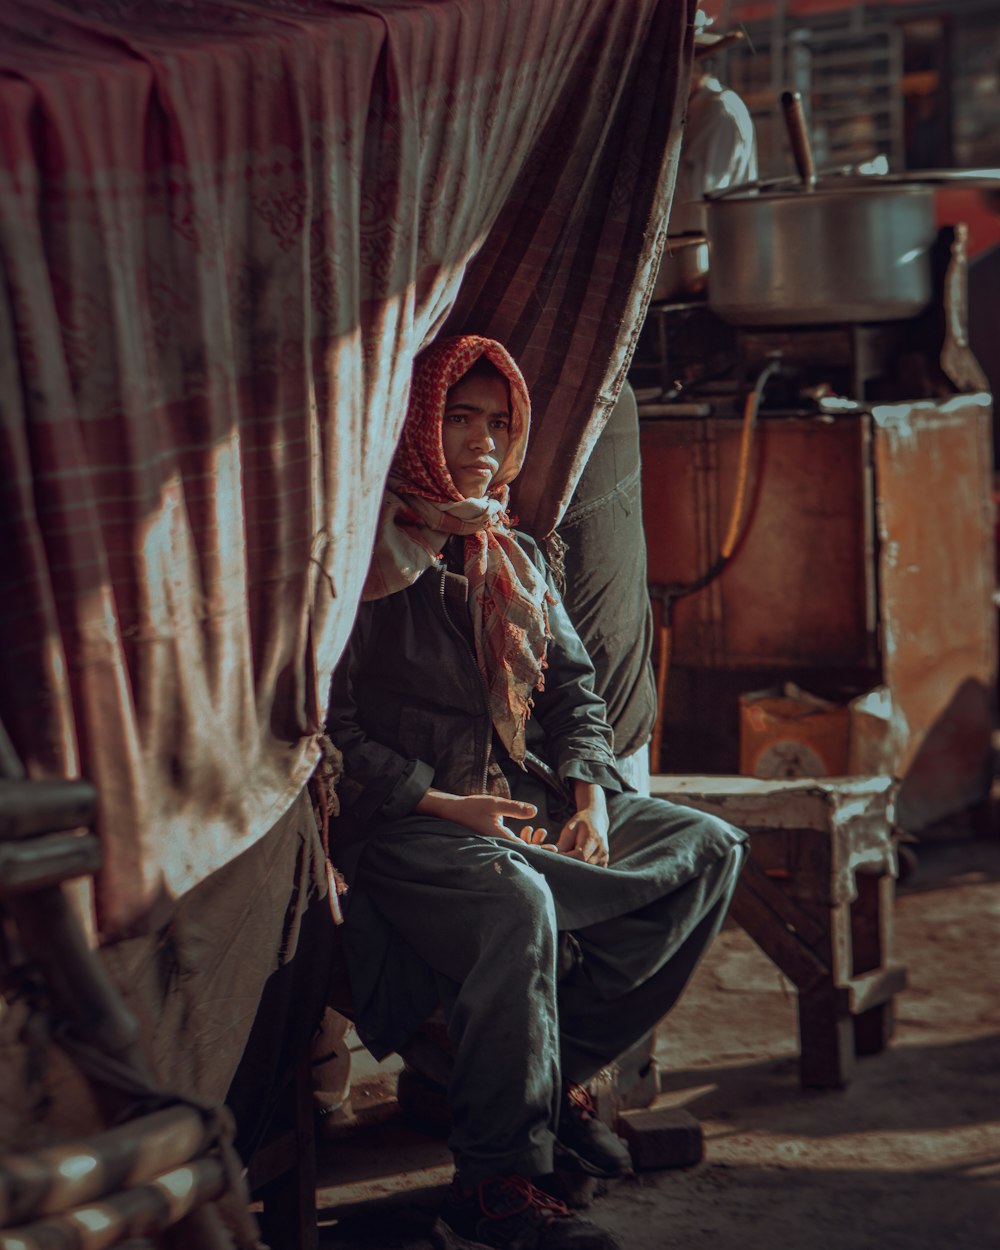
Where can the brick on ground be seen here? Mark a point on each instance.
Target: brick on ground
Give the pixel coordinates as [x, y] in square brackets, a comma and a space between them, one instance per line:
[661, 1137]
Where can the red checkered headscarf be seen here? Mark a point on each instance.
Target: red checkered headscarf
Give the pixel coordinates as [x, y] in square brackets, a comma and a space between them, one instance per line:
[508, 596]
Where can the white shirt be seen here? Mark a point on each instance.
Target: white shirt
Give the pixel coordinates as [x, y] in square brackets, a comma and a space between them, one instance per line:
[718, 149]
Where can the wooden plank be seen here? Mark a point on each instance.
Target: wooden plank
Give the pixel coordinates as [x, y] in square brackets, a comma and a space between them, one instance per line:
[866, 925]
[773, 849]
[783, 905]
[826, 1040]
[774, 938]
[288, 1219]
[810, 886]
[873, 1029]
[876, 988]
[754, 803]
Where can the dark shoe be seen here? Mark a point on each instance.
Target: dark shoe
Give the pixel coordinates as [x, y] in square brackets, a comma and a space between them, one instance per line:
[584, 1141]
[509, 1213]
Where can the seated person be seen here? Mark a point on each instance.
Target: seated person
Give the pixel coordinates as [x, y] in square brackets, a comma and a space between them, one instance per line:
[498, 865]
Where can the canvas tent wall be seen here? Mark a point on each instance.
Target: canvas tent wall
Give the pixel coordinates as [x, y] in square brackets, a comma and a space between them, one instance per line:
[226, 229]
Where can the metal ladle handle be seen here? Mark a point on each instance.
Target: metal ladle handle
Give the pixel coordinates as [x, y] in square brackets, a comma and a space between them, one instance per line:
[798, 137]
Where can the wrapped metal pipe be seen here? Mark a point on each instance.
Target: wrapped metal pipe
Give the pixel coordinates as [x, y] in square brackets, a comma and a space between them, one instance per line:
[59, 1177]
[136, 1212]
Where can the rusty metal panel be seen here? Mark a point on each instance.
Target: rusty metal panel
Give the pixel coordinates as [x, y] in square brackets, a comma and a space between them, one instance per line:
[933, 466]
[800, 590]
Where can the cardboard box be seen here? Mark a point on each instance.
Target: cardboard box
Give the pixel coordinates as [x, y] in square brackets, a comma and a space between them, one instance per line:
[787, 732]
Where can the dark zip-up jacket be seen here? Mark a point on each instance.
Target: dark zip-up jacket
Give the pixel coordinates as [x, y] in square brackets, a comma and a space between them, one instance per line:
[408, 709]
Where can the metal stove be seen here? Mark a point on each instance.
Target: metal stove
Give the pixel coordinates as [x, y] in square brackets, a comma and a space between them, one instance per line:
[865, 559]
[688, 356]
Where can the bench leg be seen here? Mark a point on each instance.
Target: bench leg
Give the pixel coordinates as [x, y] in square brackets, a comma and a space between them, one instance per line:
[871, 942]
[826, 1038]
[873, 1029]
[288, 1218]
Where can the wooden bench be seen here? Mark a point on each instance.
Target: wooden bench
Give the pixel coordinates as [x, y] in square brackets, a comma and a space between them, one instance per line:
[817, 897]
[281, 1174]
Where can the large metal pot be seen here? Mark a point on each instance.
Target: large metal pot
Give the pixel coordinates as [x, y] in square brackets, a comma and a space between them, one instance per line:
[840, 250]
[803, 250]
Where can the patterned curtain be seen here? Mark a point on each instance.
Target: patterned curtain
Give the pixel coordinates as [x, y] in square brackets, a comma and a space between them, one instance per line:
[226, 228]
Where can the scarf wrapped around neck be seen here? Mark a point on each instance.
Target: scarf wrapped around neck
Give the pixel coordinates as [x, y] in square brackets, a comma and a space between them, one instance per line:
[421, 509]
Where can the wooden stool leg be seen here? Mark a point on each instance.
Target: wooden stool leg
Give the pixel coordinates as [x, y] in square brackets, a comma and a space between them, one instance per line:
[873, 1029]
[871, 938]
[826, 1038]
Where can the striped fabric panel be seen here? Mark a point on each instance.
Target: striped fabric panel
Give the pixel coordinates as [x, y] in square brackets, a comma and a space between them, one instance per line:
[223, 243]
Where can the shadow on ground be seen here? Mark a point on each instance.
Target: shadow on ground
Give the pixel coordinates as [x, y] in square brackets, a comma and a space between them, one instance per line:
[907, 1157]
[909, 1089]
[720, 1207]
[952, 861]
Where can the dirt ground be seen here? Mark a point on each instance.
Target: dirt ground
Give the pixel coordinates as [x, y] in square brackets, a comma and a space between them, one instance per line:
[907, 1157]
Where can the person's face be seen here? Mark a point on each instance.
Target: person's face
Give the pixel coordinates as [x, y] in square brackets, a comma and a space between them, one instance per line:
[475, 432]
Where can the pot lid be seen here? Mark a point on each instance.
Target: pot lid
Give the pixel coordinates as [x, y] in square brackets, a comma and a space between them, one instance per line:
[987, 179]
[847, 178]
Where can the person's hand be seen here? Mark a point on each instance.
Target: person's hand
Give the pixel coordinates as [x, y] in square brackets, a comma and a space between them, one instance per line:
[585, 835]
[536, 837]
[483, 814]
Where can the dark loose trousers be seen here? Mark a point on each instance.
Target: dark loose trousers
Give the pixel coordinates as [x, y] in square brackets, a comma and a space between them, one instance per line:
[482, 915]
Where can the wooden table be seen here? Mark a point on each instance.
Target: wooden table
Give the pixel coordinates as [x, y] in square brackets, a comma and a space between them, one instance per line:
[817, 897]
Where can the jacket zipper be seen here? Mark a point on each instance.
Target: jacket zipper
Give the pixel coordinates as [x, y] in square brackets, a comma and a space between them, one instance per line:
[475, 664]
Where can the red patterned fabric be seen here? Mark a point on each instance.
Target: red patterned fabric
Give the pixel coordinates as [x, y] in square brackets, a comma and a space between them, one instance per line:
[508, 598]
[419, 460]
[226, 230]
